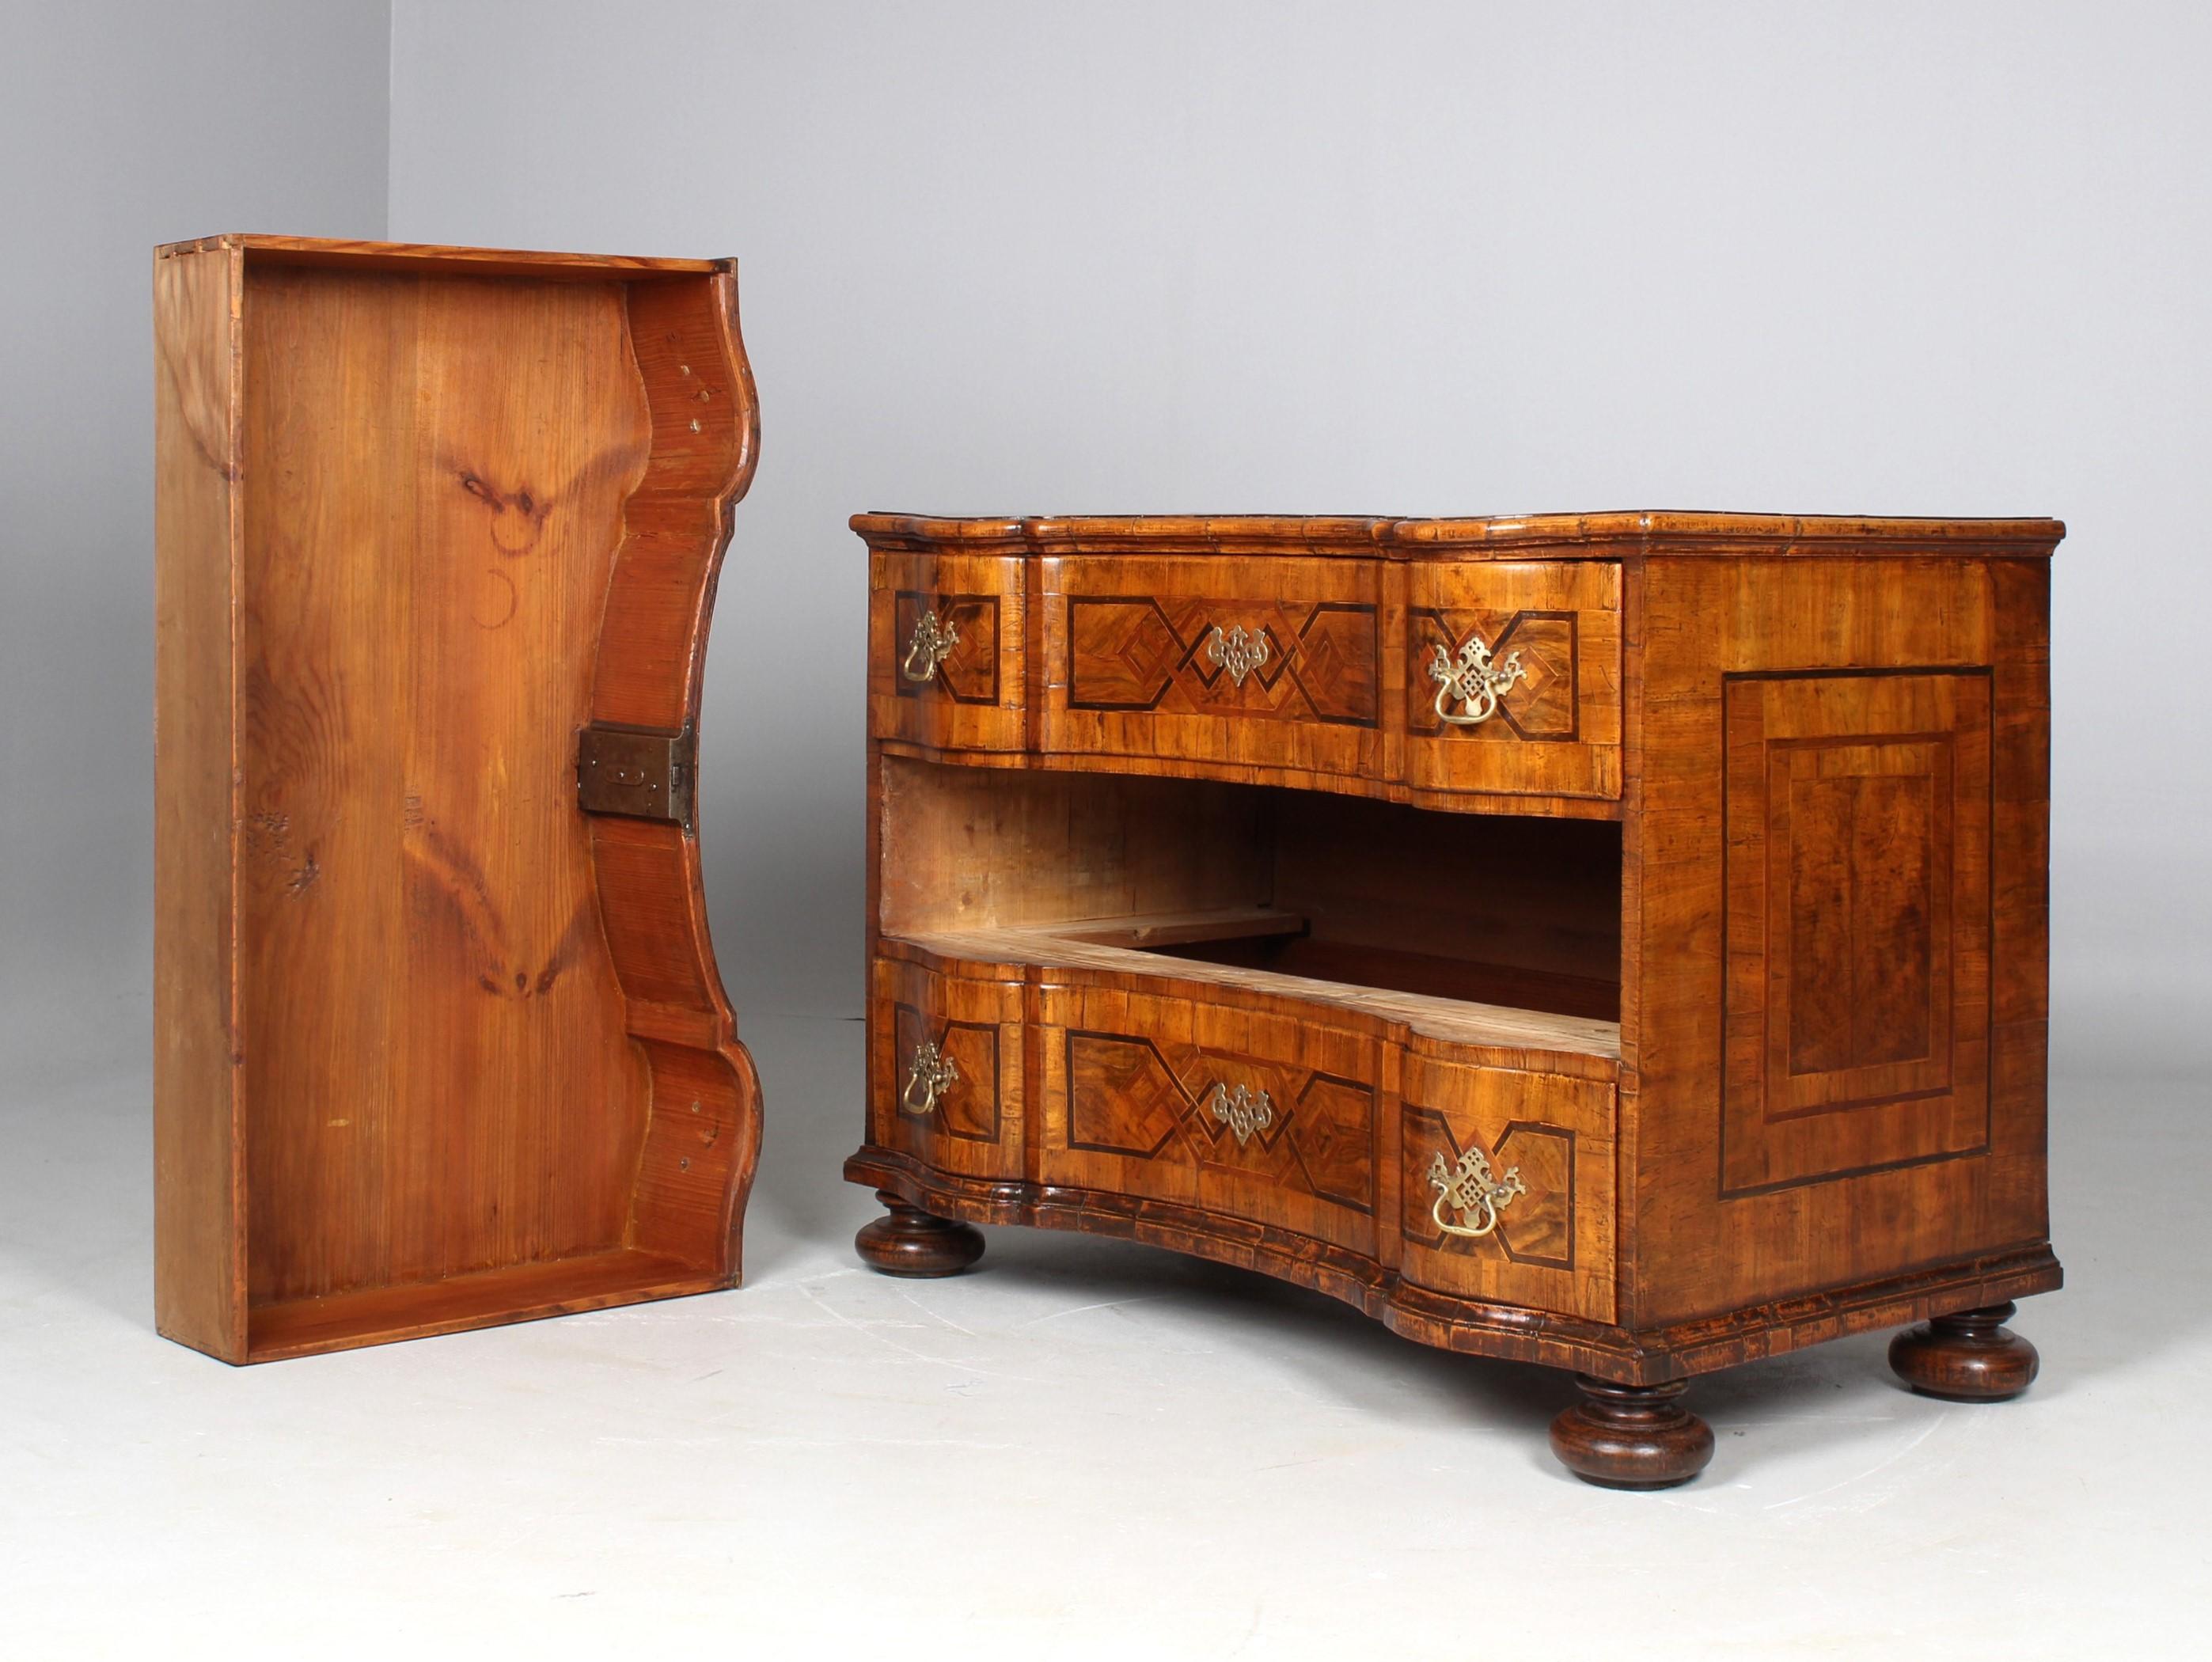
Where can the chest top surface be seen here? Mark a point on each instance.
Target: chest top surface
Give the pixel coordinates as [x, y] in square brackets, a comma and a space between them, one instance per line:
[1612, 535]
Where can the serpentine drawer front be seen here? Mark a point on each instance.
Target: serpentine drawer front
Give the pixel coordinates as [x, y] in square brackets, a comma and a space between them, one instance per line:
[947, 1065]
[945, 650]
[1613, 941]
[1506, 1185]
[1265, 1117]
[1356, 657]
[1513, 677]
[1200, 660]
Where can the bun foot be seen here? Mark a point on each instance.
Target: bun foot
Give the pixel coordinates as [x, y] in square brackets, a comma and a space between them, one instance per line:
[913, 1242]
[1970, 1357]
[1623, 1436]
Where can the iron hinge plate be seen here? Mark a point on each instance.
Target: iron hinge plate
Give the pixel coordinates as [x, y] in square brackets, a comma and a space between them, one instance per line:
[638, 772]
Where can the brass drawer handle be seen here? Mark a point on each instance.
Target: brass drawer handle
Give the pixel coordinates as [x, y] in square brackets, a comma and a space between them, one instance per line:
[930, 645]
[1471, 1190]
[1244, 1111]
[1473, 680]
[932, 1073]
[1237, 652]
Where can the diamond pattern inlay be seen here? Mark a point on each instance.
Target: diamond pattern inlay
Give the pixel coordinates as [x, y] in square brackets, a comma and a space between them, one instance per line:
[1299, 661]
[1145, 1100]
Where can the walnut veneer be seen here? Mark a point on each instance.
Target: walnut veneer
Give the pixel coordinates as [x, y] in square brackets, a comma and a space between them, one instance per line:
[435, 1046]
[1613, 941]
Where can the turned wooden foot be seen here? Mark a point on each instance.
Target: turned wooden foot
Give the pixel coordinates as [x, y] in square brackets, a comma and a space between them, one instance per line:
[1622, 1436]
[913, 1242]
[1970, 1357]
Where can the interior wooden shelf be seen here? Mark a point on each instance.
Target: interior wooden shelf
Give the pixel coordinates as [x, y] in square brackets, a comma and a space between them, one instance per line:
[1091, 944]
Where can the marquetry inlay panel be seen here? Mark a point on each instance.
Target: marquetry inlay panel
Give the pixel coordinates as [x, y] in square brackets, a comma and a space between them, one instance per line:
[1858, 924]
[1144, 1106]
[945, 650]
[1556, 726]
[1316, 662]
[1552, 1245]
[1175, 660]
[973, 1123]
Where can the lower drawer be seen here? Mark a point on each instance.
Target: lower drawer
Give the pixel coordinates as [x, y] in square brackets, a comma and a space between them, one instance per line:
[1543, 1145]
[1233, 1111]
[944, 1069]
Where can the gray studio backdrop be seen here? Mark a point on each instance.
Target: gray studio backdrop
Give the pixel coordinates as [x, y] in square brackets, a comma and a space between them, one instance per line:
[1414, 259]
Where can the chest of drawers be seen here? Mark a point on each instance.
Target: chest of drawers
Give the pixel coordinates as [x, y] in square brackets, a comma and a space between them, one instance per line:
[1616, 941]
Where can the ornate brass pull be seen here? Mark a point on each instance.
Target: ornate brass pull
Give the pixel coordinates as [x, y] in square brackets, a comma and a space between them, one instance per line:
[1473, 680]
[930, 645]
[1243, 1111]
[932, 1073]
[1471, 1190]
[1237, 652]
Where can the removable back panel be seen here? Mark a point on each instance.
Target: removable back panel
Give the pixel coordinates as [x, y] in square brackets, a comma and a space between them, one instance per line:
[439, 1040]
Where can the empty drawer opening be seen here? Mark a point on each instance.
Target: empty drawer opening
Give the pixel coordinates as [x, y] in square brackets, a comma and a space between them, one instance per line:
[1399, 910]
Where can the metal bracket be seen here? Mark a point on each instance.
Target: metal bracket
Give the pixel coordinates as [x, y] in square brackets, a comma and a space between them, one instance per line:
[638, 772]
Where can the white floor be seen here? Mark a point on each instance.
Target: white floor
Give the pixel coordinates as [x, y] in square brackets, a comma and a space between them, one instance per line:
[1081, 1448]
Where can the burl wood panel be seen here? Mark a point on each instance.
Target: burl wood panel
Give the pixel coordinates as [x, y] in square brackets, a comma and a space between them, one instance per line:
[449, 515]
[1858, 924]
[1552, 1247]
[1837, 927]
[977, 1125]
[1135, 1100]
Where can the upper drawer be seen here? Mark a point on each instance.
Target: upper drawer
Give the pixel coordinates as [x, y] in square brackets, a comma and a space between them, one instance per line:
[1272, 663]
[945, 650]
[1513, 677]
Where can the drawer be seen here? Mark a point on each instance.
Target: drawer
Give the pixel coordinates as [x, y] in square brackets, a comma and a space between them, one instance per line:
[1270, 663]
[1549, 1245]
[945, 1070]
[946, 652]
[1548, 633]
[1211, 1105]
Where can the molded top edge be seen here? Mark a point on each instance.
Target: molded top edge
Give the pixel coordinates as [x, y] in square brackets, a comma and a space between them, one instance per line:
[431, 257]
[1832, 533]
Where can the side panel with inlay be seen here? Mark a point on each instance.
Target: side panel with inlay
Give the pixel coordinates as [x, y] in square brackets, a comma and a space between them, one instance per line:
[1857, 930]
